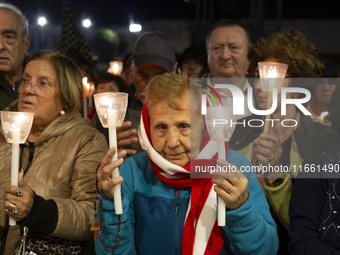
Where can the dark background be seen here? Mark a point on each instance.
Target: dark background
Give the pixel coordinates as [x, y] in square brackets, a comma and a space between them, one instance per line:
[109, 12]
[185, 21]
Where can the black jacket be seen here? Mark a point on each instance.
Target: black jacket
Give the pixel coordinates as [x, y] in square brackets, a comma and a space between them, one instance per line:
[7, 95]
[133, 113]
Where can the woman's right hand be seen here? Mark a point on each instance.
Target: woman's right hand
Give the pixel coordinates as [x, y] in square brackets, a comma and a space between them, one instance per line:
[268, 149]
[105, 170]
[23, 203]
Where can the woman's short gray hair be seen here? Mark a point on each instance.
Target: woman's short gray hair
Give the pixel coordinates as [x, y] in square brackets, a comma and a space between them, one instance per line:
[21, 16]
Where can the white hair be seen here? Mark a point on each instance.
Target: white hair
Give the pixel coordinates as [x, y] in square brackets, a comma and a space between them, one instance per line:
[21, 16]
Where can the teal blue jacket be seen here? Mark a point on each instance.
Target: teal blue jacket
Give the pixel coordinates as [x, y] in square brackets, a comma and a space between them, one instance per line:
[153, 215]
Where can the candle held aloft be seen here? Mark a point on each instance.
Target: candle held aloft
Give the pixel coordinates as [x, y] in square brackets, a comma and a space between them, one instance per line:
[15, 155]
[117, 197]
[220, 133]
[322, 117]
[116, 67]
[15, 126]
[272, 75]
[272, 72]
[269, 104]
[111, 118]
[220, 202]
[86, 88]
[86, 93]
[111, 108]
[15, 162]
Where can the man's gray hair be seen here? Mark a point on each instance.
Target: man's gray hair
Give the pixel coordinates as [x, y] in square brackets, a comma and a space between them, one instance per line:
[21, 16]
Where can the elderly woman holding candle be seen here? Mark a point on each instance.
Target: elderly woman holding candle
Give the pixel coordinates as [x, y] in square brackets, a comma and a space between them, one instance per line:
[164, 210]
[284, 145]
[54, 199]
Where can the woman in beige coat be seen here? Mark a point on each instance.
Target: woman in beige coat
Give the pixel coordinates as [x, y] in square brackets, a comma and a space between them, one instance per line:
[56, 191]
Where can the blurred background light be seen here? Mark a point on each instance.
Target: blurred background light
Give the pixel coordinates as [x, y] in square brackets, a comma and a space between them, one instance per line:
[42, 21]
[86, 23]
[134, 28]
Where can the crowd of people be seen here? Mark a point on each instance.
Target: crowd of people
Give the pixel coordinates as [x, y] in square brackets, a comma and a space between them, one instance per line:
[64, 204]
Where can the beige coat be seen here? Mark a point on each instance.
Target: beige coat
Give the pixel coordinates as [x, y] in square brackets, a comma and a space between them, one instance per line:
[63, 169]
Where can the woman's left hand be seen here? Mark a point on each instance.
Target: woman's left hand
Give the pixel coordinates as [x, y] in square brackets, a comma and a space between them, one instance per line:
[232, 187]
[23, 203]
[126, 138]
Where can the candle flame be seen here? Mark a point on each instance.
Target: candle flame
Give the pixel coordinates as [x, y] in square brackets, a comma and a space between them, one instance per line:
[93, 88]
[272, 72]
[323, 114]
[115, 68]
[106, 101]
[20, 118]
[84, 80]
[86, 88]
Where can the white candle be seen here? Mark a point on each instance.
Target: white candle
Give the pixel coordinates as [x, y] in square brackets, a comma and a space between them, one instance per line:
[220, 202]
[86, 88]
[269, 104]
[221, 149]
[272, 74]
[111, 118]
[15, 163]
[322, 117]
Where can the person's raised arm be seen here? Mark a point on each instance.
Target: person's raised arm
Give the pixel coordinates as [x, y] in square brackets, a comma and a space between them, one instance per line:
[117, 234]
[249, 225]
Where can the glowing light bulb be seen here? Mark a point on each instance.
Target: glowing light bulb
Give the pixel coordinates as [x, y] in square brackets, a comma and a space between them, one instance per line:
[42, 21]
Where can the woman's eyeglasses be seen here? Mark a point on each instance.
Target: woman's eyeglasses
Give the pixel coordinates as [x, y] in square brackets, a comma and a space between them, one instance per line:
[42, 84]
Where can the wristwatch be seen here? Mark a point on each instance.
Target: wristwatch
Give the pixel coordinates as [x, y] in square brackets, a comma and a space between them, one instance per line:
[277, 182]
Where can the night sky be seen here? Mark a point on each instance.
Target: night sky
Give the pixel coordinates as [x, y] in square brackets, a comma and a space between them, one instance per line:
[108, 12]
[116, 12]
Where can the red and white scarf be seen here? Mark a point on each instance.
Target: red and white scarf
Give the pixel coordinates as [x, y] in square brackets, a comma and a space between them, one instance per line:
[201, 234]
